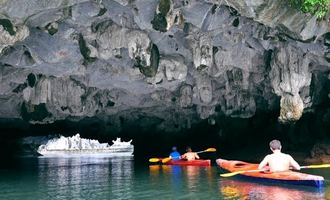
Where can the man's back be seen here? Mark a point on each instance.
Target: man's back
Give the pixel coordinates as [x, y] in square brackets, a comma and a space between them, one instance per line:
[190, 156]
[279, 162]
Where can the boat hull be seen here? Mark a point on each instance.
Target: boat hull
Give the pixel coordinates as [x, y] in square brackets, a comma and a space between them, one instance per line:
[189, 163]
[288, 177]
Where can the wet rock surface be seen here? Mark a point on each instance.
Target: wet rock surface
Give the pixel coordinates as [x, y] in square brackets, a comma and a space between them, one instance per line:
[166, 64]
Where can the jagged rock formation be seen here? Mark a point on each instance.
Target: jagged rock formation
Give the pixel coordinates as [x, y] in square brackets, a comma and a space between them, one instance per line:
[164, 63]
[279, 14]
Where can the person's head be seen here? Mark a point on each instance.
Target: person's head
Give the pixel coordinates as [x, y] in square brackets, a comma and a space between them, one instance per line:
[174, 148]
[275, 145]
[189, 149]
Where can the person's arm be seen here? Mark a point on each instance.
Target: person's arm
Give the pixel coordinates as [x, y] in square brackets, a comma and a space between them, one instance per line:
[196, 156]
[294, 164]
[263, 163]
[184, 156]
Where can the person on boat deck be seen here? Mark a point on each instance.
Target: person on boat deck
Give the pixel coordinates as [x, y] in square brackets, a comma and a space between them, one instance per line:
[190, 155]
[175, 155]
[278, 161]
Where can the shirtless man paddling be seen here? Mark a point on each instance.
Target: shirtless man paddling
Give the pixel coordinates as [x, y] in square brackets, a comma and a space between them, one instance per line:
[190, 155]
[278, 161]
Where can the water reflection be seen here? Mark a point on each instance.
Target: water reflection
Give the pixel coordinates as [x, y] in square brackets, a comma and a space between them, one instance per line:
[86, 177]
[237, 189]
[177, 174]
[186, 182]
[171, 175]
[117, 178]
[192, 173]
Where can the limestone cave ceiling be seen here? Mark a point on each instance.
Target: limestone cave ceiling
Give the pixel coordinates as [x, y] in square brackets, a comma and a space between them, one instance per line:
[168, 63]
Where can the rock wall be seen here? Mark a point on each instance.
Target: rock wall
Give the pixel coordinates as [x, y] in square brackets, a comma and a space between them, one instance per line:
[165, 63]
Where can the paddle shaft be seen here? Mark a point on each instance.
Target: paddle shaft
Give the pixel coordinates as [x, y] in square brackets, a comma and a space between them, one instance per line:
[301, 167]
[316, 166]
[261, 170]
[200, 151]
[207, 150]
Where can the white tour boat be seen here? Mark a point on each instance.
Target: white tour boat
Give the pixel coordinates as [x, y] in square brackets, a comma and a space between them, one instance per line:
[76, 146]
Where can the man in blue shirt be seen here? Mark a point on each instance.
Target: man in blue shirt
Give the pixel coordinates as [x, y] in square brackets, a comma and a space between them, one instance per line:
[175, 155]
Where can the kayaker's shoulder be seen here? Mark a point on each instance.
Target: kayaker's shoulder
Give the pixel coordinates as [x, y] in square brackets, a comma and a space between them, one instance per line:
[267, 157]
[288, 155]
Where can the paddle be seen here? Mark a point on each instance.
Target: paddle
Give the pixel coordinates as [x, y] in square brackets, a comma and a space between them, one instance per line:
[261, 170]
[315, 166]
[208, 150]
[159, 159]
[154, 160]
[165, 160]
[241, 172]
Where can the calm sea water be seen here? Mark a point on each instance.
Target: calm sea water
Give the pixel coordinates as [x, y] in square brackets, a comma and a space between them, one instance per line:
[124, 178]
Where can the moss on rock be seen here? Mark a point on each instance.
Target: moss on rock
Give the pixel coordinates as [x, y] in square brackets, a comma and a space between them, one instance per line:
[164, 6]
[8, 26]
[84, 50]
[159, 22]
[150, 71]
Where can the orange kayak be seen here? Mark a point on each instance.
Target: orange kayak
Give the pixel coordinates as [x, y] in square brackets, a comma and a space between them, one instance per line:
[288, 177]
[190, 163]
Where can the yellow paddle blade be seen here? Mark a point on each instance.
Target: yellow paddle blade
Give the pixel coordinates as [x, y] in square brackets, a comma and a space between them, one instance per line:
[208, 150]
[318, 166]
[165, 160]
[241, 172]
[154, 160]
[231, 174]
[211, 150]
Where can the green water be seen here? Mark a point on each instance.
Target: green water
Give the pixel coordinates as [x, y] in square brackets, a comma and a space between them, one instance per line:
[126, 178]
